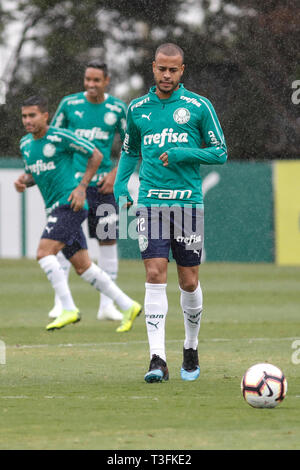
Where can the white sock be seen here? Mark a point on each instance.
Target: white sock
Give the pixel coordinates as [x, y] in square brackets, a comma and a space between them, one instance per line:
[66, 265]
[191, 304]
[56, 276]
[108, 261]
[102, 282]
[156, 309]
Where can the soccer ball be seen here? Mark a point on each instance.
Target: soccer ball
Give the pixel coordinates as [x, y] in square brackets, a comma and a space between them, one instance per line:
[264, 386]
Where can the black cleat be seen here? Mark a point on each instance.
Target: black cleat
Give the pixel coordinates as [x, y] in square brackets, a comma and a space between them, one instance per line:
[158, 370]
[190, 369]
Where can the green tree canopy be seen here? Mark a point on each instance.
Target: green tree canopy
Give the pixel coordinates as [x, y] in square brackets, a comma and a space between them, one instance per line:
[241, 54]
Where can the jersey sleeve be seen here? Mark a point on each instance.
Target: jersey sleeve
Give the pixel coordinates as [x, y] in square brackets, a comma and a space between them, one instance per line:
[22, 145]
[121, 126]
[73, 144]
[215, 152]
[60, 118]
[129, 158]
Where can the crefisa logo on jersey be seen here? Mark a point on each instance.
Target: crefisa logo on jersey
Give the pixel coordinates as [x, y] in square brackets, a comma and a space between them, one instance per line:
[181, 115]
[49, 150]
[110, 118]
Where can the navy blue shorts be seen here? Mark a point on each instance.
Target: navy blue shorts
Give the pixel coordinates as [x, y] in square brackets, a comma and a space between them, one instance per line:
[103, 215]
[64, 225]
[180, 229]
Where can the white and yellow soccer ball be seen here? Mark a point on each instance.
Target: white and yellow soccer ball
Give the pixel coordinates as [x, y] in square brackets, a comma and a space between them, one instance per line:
[264, 386]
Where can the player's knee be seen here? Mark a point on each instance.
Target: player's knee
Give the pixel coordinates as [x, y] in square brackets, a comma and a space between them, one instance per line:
[189, 285]
[41, 253]
[80, 269]
[80, 261]
[155, 275]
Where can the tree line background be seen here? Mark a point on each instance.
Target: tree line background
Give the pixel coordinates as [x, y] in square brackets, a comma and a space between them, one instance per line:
[241, 54]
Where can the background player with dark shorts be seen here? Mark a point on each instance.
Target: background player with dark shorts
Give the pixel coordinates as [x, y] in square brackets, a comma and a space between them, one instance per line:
[170, 126]
[48, 155]
[96, 116]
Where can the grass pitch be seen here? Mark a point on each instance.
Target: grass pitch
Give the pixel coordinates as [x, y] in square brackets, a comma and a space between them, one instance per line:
[82, 387]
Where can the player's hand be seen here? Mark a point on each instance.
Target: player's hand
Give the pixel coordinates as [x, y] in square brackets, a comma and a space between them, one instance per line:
[106, 185]
[126, 202]
[21, 183]
[164, 159]
[77, 198]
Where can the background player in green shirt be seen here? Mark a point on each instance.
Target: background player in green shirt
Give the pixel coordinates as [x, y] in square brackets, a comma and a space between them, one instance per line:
[96, 116]
[48, 157]
[175, 131]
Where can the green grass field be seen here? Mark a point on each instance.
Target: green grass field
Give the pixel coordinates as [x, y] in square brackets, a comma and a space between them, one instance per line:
[82, 387]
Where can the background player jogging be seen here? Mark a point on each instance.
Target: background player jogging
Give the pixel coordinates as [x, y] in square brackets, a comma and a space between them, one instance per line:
[48, 157]
[169, 127]
[97, 116]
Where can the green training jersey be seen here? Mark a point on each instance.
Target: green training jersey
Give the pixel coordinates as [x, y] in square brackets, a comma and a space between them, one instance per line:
[187, 128]
[98, 123]
[50, 161]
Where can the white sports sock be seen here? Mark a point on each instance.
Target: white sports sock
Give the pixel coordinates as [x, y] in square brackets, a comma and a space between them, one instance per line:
[156, 309]
[64, 262]
[66, 265]
[191, 304]
[56, 276]
[108, 261]
[102, 282]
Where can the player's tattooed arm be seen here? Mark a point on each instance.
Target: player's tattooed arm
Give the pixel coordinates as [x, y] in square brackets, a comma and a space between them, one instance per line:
[106, 185]
[91, 168]
[78, 195]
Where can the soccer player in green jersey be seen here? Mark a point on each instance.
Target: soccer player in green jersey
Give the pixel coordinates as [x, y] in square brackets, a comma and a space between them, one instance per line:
[175, 131]
[48, 157]
[96, 116]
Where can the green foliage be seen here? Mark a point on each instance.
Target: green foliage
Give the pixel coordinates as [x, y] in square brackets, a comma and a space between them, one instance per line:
[243, 57]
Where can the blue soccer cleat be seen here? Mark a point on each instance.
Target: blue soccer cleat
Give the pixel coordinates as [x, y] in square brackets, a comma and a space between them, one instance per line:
[190, 369]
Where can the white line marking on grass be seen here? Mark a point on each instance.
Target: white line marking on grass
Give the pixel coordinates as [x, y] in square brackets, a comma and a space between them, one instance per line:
[144, 398]
[24, 397]
[128, 343]
[80, 397]
[18, 397]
